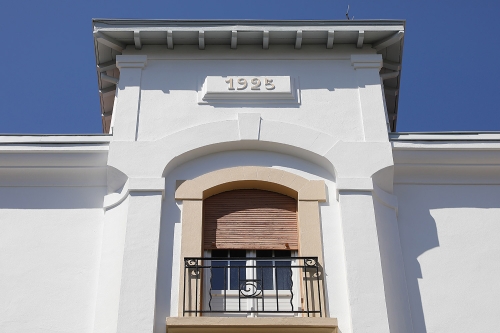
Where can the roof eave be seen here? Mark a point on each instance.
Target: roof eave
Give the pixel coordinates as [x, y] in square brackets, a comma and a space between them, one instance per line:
[384, 33]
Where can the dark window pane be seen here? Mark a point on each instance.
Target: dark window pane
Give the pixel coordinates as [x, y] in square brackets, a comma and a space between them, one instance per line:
[219, 271]
[219, 253]
[237, 279]
[282, 253]
[265, 274]
[238, 253]
[284, 275]
[264, 253]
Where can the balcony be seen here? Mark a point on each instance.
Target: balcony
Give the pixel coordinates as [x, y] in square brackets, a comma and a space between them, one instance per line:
[252, 287]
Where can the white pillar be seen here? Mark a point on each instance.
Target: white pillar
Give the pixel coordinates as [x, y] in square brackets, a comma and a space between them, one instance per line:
[365, 283]
[371, 98]
[127, 102]
[138, 286]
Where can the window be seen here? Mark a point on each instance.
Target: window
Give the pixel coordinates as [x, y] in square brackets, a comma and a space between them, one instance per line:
[252, 233]
[261, 282]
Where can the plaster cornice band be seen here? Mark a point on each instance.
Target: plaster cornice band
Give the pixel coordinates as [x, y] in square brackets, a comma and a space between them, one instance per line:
[131, 61]
[354, 185]
[147, 185]
[135, 185]
[367, 185]
[359, 61]
[387, 199]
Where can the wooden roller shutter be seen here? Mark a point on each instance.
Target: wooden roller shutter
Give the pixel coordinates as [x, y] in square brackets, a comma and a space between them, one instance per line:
[251, 220]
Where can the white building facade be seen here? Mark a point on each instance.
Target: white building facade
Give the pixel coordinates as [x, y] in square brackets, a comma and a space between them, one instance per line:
[402, 227]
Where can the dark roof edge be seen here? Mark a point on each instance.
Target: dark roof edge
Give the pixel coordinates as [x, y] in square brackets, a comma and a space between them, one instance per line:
[182, 22]
[57, 134]
[444, 133]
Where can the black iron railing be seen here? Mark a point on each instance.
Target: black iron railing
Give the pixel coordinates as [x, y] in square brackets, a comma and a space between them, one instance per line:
[289, 286]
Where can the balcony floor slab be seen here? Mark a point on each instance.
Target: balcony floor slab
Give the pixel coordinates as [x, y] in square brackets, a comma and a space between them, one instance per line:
[251, 325]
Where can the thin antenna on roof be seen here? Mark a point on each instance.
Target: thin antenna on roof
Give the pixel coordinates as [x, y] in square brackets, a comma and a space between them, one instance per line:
[347, 14]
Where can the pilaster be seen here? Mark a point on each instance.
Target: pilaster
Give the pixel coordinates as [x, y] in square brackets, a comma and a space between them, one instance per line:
[365, 284]
[127, 102]
[367, 67]
[138, 286]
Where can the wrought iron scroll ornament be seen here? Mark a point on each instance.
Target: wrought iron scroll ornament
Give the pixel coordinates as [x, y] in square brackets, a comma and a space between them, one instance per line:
[310, 262]
[251, 288]
[190, 263]
[193, 266]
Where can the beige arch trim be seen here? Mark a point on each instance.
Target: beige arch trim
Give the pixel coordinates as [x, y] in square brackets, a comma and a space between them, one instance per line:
[256, 177]
[192, 192]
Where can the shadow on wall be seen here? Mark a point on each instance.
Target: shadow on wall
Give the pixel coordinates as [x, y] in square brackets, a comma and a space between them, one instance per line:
[418, 230]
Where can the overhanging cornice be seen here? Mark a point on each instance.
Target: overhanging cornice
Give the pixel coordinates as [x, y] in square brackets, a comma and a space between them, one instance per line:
[471, 158]
[53, 151]
[112, 36]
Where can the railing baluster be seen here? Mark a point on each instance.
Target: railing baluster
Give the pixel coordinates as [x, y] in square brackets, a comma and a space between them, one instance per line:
[291, 286]
[239, 288]
[275, 268]
[307, 290]
[211, 276]
[262, 287]
[184, 297]
[196, 284]
[225, 287]
[317, 282]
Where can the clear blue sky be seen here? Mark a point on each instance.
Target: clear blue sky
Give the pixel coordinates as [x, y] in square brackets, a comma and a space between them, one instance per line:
[450, 77]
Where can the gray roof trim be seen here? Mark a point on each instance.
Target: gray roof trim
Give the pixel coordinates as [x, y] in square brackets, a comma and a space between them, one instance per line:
[465, 136]
[55, 139]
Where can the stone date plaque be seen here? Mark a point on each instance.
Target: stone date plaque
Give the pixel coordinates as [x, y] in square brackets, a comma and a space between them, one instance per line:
[247, 89]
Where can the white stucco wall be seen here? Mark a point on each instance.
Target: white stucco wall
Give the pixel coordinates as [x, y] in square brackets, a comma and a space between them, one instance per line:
[329, 100]
[50, 240]
[51, 219]
[393, 269]
[449, 239]
[110, 268]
